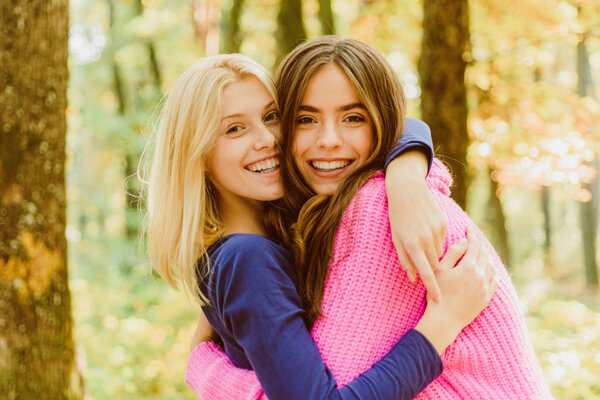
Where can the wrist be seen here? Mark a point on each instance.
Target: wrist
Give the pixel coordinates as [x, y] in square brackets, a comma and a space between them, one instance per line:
[440, 330]
[412, 164]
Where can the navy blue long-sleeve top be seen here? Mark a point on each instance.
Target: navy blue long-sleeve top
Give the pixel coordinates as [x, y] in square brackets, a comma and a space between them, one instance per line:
[416, 135]
[255, 308]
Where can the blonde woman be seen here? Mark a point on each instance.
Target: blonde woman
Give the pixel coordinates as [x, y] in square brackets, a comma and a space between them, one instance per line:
[214, 164]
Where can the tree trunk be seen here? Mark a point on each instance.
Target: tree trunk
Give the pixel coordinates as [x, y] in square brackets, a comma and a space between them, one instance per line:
[118, 85]
[588, 210]
[231, 33]
[326, 17]
[36, 343]
[131, 228]
[152, 57]
[589, 227]
[443, 91]
[499, 220]
[547, 218]
[290, 27]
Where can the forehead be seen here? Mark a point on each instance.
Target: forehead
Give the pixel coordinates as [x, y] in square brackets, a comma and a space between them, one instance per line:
[330, 83]
[244, 94]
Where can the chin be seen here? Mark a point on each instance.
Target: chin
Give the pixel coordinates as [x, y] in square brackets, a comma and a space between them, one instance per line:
[327, 188]
[271, 195]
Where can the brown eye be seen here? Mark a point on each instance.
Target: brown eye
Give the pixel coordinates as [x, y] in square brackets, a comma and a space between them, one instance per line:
[234, 129]
[305, 120]
[272, 116]
[354, 118]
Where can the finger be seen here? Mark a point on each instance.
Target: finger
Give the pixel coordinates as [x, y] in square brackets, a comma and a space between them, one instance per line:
[453, 255]
[431, 253]
[427, 276]
[441, 236]
[491, 271]
[492, 287]
[473, 247]
[482, 260]
[405, 261]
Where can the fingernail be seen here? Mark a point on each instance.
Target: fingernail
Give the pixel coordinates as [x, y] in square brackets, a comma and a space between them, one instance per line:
[437, 299]
[462, 242]
[411, 277]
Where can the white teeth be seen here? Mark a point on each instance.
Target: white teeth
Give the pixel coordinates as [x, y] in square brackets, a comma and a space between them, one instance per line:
[264, 165]
[329, 165]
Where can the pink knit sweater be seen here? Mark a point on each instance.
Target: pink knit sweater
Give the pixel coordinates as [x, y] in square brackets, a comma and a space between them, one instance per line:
[369, 303]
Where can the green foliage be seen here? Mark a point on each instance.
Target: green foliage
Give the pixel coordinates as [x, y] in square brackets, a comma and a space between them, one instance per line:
[133, 330]
[565, 335]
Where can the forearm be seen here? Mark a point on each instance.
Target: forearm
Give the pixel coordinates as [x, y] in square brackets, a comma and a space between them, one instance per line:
[212, 376]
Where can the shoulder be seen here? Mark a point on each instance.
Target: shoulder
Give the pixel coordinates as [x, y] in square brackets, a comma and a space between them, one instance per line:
[368, 206]
[373, 189]
[243, 246]
[246, 245]
[247, 254]
[439, 178]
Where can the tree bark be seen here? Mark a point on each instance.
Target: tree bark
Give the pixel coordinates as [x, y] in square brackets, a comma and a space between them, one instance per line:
[326, 17]
[290, 27]
[231, 33]
[547, 218]
[116, 70]
[443, 92]
[588, 210]
[36, 344]
[152, 57]
[499, 219]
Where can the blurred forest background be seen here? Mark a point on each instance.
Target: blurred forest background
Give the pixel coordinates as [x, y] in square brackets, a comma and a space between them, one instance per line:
[520, 132]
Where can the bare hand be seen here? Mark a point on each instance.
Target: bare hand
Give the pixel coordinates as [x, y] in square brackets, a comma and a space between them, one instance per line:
[466, 290]
[417, 223]
[204, 332]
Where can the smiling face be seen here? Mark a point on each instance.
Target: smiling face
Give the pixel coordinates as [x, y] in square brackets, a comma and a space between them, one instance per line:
[243, 163]
[334, 132]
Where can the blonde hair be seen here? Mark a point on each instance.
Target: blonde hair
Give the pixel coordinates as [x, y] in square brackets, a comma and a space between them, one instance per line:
[182, 218]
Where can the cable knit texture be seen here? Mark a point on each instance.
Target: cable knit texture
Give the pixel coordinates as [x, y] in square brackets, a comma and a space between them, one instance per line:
[369, 303]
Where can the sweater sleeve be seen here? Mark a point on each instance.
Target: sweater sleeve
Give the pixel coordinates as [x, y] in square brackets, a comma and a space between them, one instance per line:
[415, 136]
[258, 302]
[212, 376]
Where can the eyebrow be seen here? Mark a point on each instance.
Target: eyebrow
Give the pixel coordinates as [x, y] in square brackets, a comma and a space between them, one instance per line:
[346, 107]
[271, 104]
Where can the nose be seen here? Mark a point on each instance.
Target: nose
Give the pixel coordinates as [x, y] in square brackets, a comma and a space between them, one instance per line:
[329, 136]
[265, 138]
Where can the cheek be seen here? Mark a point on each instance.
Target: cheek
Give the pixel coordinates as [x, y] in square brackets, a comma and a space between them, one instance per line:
[303, 141]
[298, 148]
[364, 143]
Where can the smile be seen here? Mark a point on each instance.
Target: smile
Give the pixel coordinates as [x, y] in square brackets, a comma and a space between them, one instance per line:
[264, 166]
[327, 166]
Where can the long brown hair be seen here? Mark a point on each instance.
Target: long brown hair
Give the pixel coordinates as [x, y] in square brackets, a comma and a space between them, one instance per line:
[380, 91]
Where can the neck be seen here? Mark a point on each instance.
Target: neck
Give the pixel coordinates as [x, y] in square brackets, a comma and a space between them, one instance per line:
[241, 216]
